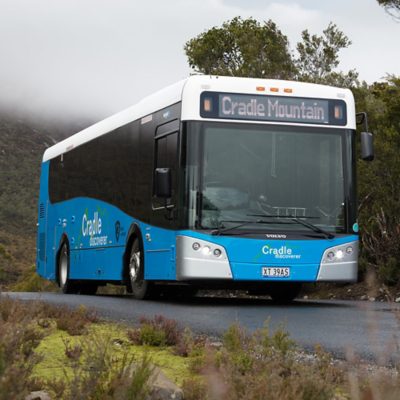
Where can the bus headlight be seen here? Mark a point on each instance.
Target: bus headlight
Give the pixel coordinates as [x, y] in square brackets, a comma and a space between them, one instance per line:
[196, 246]
[207, 249]
[343, 253]
[217, 253]
[331, 256]
[200, 259]
[349, 250]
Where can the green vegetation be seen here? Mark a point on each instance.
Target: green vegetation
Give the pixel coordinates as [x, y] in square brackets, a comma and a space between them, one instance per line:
[378, 186]
[41, 348]
[244, 47]
[22, 144]
[72, 355]
[241, 48]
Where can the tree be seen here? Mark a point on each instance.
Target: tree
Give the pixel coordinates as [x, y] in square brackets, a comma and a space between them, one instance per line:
[248, 48]
[242, 48]
[392, 7]
[378, 187]
[319, 56]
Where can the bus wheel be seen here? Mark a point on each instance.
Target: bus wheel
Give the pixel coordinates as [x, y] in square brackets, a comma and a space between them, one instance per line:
[139, 287]
[284, 293]
[66, 285]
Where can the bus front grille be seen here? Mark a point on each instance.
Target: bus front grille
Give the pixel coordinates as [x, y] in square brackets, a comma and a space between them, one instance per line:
[41, 210]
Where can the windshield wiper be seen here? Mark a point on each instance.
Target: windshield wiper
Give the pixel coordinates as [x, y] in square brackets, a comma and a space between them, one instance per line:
[293, 218]
[222, 229]
[314, 228]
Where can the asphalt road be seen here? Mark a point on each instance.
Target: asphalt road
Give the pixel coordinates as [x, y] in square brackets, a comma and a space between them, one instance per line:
[368, 329]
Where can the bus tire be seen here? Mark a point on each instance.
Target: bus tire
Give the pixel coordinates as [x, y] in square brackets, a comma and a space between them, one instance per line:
[66, 285]
[284, 293]
[139, 287]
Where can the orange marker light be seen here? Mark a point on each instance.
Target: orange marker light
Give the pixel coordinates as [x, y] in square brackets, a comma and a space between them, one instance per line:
[338, 112]
[288, 90]
[260, 88]
[274, 89]
[207, 105]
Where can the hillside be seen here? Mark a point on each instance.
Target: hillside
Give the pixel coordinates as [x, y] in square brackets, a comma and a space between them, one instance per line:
[22, 143]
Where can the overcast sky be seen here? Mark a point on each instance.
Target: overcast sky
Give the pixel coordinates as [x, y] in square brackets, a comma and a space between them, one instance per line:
[91, 58]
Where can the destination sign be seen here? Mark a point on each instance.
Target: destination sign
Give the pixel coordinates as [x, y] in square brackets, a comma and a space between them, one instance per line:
[273, 108]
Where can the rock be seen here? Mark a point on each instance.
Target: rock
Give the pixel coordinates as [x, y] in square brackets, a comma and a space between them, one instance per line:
[163, 388]
[305, 297]
[38, 395]
[216, 345]
[348, 290]
[371, 298]
[364, 297]
[397, 300]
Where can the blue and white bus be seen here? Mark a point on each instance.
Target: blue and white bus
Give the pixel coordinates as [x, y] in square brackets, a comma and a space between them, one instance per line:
[213, 182]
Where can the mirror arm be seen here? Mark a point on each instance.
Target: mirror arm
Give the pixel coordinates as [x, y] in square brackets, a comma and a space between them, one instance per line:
[363, 120]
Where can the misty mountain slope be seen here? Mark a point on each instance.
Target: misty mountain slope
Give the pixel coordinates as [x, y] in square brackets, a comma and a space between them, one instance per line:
[23, 141]
[21, 150]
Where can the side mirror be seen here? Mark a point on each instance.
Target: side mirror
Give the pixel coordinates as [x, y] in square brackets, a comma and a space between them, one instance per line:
[162, 183]
[367, 146]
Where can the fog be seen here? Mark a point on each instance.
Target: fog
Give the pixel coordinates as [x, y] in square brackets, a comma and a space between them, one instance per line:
[87, 59]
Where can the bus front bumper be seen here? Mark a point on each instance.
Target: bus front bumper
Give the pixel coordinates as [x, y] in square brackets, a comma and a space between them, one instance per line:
[198, 259]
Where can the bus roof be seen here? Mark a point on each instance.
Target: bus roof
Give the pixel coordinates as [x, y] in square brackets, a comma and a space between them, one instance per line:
[188, 91]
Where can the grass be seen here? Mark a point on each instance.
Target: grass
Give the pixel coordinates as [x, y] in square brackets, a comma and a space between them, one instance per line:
[56, 362]
[71, 354]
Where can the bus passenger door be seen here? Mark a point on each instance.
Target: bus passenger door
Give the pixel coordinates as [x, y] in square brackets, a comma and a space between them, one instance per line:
[161, 248]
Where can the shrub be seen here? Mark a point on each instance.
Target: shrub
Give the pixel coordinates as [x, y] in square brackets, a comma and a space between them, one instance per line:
[158, 331]
[263, 365]
[389, 272]
[189, 344]
[97, 374]
[278, 342]
[17, 358]
[30, 281]
[74, 321]
[195, 389]
[152, 336]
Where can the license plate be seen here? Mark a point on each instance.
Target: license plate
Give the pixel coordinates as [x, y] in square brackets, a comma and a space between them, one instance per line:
[275, 272]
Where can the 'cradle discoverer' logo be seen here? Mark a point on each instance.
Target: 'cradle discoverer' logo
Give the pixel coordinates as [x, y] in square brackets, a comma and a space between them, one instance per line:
[283, 252]
[92, 228]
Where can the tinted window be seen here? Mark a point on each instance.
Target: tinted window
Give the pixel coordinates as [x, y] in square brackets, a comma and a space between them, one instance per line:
[102, 169]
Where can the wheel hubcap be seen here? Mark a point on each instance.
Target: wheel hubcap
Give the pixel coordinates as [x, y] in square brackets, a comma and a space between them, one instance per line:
[134, 266]
[63, 269]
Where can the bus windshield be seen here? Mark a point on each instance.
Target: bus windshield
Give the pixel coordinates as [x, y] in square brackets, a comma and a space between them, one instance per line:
[269, 177]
